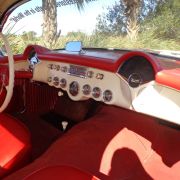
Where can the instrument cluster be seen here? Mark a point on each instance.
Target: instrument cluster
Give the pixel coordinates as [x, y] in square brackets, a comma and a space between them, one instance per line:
[128, 81]
[83, 82]
[79, 81]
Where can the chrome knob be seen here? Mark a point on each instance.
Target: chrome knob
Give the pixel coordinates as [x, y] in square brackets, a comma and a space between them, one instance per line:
[49, 79]
[50, 66]
[90, 74]
[99, 76]
[64, 68]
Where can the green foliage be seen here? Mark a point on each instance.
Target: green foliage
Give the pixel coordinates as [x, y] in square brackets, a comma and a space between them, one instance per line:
[18, 42]
[159, 25]
[160, 29]
[112, 21]
[144, 41]
[164, 23]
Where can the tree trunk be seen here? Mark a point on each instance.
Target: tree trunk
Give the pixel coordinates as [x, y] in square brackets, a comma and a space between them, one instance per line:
[49, 9]
[49, 33]
[132, 10]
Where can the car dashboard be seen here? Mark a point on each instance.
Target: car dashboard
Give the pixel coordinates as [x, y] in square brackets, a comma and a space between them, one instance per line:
[133, 80]
[82, 81]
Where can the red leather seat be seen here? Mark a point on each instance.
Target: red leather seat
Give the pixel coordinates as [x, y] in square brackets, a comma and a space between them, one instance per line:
[15, 144]
[114, 144]
[60, 172]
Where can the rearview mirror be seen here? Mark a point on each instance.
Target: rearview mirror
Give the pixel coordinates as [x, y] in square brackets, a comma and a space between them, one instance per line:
[74, 46]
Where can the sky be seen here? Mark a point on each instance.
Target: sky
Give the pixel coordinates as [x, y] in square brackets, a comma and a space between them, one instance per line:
[69, 17]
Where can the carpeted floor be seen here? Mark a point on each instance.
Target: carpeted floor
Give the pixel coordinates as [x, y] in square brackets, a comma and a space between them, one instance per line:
[43, 134]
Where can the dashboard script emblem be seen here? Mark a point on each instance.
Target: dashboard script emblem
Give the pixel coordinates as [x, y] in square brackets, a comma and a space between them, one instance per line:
[134, 80]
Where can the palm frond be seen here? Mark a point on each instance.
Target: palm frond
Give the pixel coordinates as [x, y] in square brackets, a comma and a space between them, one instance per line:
[81, 4]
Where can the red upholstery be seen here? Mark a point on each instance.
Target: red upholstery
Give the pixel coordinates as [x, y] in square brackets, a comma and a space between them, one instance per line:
[170, 78]
[115, 144]
[60, 172]
[14, 144]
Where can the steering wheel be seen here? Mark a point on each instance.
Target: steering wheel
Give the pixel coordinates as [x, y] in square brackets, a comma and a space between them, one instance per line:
[10, 86]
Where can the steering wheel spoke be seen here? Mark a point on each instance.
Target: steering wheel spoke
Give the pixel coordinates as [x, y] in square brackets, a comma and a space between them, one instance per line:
[6, 76]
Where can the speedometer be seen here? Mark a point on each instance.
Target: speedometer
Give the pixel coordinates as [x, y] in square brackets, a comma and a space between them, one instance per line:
[137, 70]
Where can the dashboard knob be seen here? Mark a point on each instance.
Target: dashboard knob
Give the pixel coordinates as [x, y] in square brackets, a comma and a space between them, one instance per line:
[64, 68]
[63, 83]
[86, 89]
[50, 66]
[96, 92]
[49, 79]
[74, 88]
[99, 76]
[54, 66]
[107, 96]
[90, 74]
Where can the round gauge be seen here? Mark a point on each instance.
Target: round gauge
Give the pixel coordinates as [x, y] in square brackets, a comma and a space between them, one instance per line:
[86, 89]
[107, 96]
[135, 80]
[63, 83]
[57, 67]
[74, 88]
[56, 81]
[96, 92]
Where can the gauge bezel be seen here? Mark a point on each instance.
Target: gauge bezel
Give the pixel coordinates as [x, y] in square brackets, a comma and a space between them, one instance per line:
[86, 89]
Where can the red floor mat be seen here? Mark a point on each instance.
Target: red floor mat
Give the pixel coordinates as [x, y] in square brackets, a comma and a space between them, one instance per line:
[42, 133]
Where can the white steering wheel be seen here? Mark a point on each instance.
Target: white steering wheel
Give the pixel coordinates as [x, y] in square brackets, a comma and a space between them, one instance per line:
[10, 86]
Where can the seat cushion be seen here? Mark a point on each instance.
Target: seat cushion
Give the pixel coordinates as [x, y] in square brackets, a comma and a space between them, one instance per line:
[60, 172]
[115, 144]
[15, 144]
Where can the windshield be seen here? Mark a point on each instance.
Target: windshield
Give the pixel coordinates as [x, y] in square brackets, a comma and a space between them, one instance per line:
[135, 24]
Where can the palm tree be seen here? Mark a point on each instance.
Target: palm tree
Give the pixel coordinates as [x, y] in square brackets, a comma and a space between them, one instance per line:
[132, 10]
[50, 33]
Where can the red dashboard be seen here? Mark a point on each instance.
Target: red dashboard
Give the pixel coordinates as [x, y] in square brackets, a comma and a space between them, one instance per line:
[129, 79]
[110, 60]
